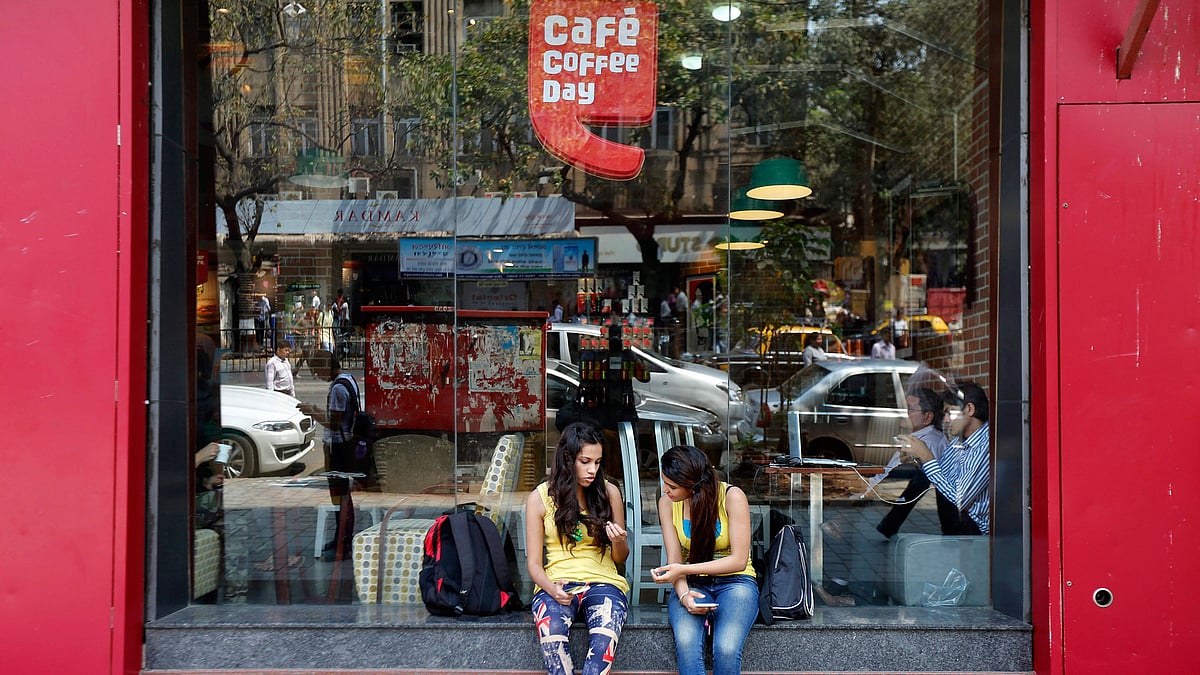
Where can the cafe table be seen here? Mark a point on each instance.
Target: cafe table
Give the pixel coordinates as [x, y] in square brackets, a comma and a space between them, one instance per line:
[816, 503]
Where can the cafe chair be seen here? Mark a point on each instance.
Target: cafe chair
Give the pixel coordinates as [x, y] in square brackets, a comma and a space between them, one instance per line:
[388, 555]
[206, 562]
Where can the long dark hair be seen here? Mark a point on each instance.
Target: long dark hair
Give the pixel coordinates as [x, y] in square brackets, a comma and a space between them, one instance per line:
[562, 486]
[688, 467]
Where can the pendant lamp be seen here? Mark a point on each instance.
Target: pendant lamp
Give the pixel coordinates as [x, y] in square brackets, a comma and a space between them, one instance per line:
[739, 245]
[779, 178]
[748, 208]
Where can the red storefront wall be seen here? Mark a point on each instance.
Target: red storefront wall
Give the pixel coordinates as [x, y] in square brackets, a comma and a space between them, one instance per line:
[1115, 280]
[73, 288]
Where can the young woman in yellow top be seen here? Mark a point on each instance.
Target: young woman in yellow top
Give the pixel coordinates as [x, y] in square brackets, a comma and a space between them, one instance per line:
[579, 518]
[708, 562]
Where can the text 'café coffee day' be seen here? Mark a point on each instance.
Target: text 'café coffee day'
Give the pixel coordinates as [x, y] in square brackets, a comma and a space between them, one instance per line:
[592, 63]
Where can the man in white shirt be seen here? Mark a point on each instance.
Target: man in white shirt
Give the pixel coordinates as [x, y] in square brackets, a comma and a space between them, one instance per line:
[279, 372]
[316, 302]
[900, 328]
[884, 349]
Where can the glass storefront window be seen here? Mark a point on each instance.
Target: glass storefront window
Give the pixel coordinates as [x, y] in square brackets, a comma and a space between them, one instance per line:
[478, 224]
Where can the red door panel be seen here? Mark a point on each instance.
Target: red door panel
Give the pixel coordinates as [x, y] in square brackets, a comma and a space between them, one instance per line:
[1129, 223]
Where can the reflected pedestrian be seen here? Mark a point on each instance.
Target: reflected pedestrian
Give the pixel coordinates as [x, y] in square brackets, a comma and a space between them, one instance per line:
[279, 372]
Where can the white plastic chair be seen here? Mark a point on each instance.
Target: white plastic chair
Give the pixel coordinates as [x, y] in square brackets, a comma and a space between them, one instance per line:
[641, 536]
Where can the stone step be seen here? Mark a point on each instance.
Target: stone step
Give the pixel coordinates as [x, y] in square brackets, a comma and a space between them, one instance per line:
[382, 639]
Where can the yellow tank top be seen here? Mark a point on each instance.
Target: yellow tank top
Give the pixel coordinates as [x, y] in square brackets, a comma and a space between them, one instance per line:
[721, 548]
[585, 562]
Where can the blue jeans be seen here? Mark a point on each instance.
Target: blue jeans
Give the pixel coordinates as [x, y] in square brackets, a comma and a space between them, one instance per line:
[737, 597]
[603, 606]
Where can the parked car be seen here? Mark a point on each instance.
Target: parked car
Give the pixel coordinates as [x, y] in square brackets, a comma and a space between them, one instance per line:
[562, 386]
[269, 433]
[670, 379]
[848, 409]
[769, 356]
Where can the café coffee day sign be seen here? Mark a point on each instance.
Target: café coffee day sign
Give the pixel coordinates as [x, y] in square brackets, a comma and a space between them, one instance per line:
[592, 62]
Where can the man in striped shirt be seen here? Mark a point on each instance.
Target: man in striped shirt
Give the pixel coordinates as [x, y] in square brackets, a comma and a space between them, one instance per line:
[963, 473]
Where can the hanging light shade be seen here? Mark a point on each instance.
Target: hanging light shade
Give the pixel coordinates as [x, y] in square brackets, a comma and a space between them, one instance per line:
[318, 168]
[779, 178]
[739, 245]
[726, 11]
[748, 208]
[741, 238]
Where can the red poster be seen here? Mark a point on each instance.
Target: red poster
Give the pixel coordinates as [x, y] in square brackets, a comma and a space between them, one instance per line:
[592, 62]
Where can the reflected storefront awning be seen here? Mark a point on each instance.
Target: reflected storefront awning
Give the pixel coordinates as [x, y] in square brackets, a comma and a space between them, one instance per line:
[466, 217]
[676, 243]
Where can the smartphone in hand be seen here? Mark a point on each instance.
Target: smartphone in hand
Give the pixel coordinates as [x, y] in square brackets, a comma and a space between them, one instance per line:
[703, 600]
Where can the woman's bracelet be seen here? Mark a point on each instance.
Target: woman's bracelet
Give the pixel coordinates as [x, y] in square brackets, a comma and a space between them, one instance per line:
[679, 596]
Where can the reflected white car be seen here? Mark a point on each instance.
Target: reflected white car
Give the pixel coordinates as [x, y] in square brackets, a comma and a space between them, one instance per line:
[268, 431]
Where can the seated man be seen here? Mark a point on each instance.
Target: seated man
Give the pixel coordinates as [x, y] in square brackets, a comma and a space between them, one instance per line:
[925, 415]
[964, 470]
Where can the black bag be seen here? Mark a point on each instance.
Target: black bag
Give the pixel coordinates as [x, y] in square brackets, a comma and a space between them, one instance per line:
[359, 456]
[464, 570]
[362, 426]
[787, 588]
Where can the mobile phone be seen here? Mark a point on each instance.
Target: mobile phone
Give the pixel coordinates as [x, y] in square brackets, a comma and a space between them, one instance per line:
[223, 450]
[704, 600]
[578, 589]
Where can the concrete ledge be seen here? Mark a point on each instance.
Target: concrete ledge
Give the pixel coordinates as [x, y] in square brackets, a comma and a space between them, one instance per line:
[407, 639]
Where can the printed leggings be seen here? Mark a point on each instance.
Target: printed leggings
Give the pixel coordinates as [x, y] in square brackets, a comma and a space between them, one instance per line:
[603, 607]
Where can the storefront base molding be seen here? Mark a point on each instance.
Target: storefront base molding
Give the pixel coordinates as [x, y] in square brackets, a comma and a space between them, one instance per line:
[347, 639]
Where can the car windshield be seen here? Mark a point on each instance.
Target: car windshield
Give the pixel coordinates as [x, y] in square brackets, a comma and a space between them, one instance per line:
[803, 381]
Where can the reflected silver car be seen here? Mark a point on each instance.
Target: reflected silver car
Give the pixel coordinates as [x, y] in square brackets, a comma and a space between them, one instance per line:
[670, 379]
[562, 386]
[848, 409]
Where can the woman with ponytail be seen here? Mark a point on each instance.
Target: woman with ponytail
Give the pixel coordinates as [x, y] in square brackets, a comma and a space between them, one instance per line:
[706, 534]
[578, 519]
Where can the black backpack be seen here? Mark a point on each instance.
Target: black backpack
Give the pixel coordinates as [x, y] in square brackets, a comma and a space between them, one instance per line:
[464, 569]
[787, 588]
[362, 425]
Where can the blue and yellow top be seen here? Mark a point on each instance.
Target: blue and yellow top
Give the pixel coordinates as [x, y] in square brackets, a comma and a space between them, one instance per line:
[722, 547]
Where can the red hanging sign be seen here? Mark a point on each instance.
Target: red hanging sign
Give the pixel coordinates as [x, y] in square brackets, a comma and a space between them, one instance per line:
[592, 62]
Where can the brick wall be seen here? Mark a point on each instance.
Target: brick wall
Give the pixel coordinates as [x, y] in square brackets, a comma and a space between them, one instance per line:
[309, 263]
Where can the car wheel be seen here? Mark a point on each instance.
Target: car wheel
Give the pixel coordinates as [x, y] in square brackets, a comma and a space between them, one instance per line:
[243, 458]
[828, 449]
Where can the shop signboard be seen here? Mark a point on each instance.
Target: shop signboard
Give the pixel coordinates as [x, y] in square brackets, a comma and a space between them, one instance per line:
[592, 62]
[438, 257]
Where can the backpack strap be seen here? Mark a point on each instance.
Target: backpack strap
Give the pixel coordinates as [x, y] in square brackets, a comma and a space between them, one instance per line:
[496, 551]
[459, 529]
[353, 402]
[349, 390]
